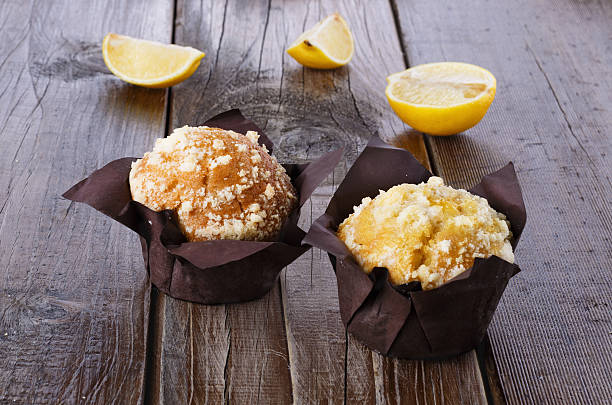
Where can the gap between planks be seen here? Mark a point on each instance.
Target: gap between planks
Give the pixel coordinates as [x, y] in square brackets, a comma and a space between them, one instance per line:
[152, 377]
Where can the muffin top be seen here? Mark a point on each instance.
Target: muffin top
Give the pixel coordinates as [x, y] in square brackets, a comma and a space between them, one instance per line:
[222, 184]
[427, 232]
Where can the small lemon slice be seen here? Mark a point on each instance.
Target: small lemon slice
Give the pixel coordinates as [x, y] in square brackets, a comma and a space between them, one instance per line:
[148, 63]
[441, 98]
[327, 45]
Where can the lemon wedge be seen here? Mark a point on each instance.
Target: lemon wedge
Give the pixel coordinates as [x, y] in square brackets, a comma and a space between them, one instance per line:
[441, 98]
[148, 63]
[327, 45]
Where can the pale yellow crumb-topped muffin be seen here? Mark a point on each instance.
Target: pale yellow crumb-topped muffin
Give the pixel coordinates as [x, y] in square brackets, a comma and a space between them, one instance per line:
[425, 232]
[222, 184]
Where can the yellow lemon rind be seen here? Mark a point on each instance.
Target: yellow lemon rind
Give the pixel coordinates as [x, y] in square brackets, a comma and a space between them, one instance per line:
[311, 56]
[442, 120]
[307, 52]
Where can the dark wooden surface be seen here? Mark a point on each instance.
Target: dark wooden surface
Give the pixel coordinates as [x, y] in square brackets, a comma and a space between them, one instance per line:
[74, 301]
[79, 322]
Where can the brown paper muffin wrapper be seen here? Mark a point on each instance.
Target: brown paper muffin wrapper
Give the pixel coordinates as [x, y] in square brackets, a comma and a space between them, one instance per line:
[211, 272]
[404, 321]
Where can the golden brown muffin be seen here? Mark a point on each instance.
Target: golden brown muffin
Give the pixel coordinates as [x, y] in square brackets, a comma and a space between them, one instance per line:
[223, 185]
[427, 232]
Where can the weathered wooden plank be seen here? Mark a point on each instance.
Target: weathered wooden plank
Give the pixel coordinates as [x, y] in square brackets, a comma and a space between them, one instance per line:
[452, 381]
[74, 296]
[235, 353]
[551, 116]
[357, 108]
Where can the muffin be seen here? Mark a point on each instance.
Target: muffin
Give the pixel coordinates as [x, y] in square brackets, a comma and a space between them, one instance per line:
[427, 232]
[222, 184]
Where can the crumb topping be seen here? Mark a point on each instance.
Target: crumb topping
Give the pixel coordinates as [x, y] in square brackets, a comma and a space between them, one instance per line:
[213, 179]
[427, 232]
[253, 137]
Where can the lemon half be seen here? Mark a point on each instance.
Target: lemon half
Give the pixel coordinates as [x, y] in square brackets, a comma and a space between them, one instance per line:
[441, 98]
[327, 45]
[148, 63]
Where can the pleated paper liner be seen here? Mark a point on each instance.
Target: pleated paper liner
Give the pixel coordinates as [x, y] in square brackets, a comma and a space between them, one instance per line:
[404, 321]
[211, 272]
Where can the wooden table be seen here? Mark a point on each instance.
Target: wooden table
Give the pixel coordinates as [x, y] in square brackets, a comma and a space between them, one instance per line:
[79, 321]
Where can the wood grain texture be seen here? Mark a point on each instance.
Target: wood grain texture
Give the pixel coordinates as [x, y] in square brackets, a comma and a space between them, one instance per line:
[551, 334]
[74, 297]
[454, 381]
